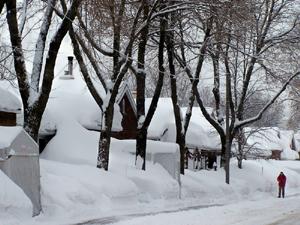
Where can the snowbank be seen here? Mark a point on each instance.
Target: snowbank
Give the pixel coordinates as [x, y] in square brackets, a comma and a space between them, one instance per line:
[14, 204]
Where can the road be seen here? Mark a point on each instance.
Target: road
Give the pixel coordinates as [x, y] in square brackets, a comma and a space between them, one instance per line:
[289, 219]
[114, 219]
[267, 211]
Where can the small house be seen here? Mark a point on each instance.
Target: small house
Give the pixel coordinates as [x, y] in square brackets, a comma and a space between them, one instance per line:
[270, 143]
[263, 142]
[202, 141]
[19, 160]
[70, 96]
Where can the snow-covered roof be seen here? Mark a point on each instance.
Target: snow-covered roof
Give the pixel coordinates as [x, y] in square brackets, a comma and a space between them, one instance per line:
[7, 135]
[9, 102]
[71, 100]
[125, 90]
[200, 132]
[266, 138]
[161, 119]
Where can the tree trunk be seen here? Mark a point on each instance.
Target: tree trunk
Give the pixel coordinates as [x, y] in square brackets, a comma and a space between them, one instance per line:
[240, 160]
[33, 111]
[105, 138]
[141, 139]
[180, 140]
[32, 121]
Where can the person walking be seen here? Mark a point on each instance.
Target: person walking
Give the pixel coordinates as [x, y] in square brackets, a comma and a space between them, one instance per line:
[281, 184]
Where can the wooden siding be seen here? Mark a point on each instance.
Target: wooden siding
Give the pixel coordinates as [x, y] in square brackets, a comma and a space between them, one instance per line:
[8, 119]
[276, 154]
[129, 121]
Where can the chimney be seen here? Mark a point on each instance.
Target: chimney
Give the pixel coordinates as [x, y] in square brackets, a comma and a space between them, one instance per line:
[68, 75]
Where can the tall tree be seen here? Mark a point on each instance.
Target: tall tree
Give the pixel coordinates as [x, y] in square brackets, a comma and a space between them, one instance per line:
[258, 21]
[34, 93]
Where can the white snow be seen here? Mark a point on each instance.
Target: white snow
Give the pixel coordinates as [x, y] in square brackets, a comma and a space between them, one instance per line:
[13, 202]
[161, 118]
[286, 137]
[7, 135]
[200, 132]
[71, 99]
[74, 190]
[9, 102]
[264, 139]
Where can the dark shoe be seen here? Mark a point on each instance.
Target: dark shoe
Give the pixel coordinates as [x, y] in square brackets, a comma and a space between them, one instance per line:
[278, 196]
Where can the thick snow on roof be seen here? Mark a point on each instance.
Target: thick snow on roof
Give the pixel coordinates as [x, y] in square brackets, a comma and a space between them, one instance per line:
[9, 102]
[7, 135]
[200, 132]
[72, 99]
[162, 117]
[265, 139]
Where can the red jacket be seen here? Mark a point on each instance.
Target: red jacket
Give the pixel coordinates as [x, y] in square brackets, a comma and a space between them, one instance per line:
[281, 180]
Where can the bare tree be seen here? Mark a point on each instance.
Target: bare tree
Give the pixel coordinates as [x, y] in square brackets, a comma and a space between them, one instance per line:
[252, 24]
[34, 96]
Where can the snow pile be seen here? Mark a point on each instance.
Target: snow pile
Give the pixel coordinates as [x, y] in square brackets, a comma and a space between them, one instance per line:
[72, 144]
[75, 145]
[73, 189]
[14, 204]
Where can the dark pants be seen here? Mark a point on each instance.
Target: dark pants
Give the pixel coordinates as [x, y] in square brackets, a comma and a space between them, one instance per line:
[281, 192]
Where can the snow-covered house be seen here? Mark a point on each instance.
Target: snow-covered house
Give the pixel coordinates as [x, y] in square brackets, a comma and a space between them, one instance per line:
[70, 100]
[19, 160]
[10, 107]
[270, 142]
[202, 140]
[263, 142]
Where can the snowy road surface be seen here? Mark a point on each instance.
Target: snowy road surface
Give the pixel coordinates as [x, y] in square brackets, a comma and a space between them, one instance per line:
[266, 211]
[289, 219]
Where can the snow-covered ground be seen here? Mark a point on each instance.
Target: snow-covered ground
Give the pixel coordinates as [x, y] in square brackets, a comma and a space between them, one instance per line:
[267, 211]
[74, 190]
